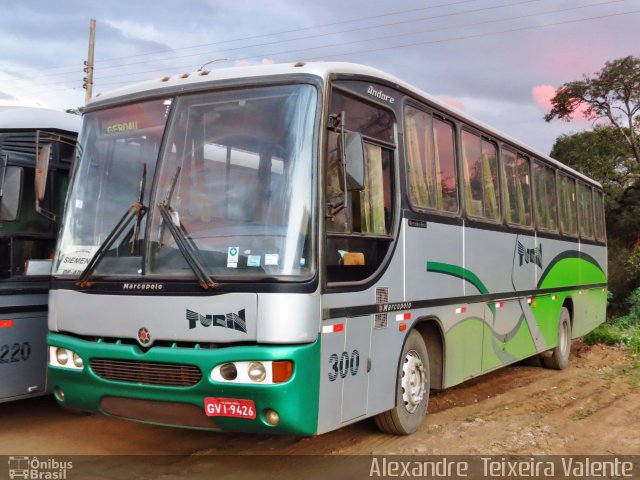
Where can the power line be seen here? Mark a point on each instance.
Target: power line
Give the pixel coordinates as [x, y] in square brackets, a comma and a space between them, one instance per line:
[283, 32]
[359, 29]
[202, 54]
[429, 42]
[272, 54]
[468, 37]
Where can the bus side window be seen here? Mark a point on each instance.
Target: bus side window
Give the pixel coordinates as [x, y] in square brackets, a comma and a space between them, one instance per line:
[585, 210]
[545, 200]
[517, 198]
[481, 187]
[359, 222]
[598, 204]
[430, 162]
[567, 197]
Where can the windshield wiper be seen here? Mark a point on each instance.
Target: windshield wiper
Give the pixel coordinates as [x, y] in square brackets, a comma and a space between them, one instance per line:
[136, 210]
[136, 227]
[187, 247]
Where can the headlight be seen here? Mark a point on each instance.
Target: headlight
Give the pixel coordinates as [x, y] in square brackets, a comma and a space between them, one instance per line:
[249, 372]
[229, 371]
[77, 361]
[256, 372]
[62, 356]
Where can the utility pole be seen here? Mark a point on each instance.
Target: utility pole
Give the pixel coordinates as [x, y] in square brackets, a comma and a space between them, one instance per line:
[88, 64]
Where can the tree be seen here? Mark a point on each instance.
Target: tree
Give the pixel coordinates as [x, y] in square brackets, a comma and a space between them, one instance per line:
[601, 154]
[612, 95]
[604, 155]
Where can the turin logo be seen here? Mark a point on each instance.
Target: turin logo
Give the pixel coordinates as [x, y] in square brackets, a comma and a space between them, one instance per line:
[530, 255]
[234, 321]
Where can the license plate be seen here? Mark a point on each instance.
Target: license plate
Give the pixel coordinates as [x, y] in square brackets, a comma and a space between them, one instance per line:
[229, 407]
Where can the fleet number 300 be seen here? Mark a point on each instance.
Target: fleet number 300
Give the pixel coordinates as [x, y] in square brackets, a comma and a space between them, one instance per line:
[343, 364]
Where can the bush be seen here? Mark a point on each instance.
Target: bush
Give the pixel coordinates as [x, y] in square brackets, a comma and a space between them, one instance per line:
[622, 331]
[631, 319]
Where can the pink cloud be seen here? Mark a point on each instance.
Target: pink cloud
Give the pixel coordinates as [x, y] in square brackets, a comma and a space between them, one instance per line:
[452, 102]
[542, 95]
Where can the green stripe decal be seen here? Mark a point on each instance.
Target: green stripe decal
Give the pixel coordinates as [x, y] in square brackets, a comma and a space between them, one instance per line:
[574, 255]
[459, 272]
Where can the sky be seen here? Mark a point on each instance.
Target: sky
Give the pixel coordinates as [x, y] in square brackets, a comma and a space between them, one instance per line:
[497, 60]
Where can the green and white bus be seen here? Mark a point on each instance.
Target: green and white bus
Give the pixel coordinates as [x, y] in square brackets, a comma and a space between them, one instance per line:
[293, 248]
[36, 149]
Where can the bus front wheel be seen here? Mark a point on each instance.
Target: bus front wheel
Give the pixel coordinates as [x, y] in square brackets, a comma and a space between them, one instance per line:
[559, 358]
[412, 391]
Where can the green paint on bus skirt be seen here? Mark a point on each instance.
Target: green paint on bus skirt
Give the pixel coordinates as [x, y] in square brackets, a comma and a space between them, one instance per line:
[296, 401]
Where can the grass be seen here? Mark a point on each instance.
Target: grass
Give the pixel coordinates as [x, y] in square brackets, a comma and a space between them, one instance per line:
[616, 333]
[585, 412]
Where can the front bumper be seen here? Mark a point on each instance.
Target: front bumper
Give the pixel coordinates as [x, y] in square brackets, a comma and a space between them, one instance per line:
[295, 400]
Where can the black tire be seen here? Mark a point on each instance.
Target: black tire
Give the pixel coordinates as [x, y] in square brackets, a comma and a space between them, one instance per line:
[412, 389]
[559, 359]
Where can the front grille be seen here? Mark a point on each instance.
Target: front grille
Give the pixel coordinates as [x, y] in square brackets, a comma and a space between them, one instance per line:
[146, 373]
[158, 412]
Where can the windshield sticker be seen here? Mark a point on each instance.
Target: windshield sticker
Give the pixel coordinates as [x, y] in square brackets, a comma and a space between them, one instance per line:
[253, 260]
[303, 262]
[74, 260]
[232, 257]
[271, 259]
[79, 204]
[122, 127]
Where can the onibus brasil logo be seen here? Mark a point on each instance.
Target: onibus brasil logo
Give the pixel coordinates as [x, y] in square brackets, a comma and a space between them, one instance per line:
[36, 469]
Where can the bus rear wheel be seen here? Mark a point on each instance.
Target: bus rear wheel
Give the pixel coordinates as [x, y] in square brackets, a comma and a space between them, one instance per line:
[559, 358]
[412, 391]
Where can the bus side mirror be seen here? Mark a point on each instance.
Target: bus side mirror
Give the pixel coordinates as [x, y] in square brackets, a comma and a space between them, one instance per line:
[354, 159]
[3, 172]
[11, 194]
[42, 169]
[40, 187]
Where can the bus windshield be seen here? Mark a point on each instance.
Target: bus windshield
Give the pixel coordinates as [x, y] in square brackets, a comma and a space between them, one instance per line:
[233, 169]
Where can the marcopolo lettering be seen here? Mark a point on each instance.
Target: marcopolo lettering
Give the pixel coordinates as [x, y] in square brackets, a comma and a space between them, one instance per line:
[394, 307]
[142, 286]
[234, 321]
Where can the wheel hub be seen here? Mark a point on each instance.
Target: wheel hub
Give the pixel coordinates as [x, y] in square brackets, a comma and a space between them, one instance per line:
[413, 381]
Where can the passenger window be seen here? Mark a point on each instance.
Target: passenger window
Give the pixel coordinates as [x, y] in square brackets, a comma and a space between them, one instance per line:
[431, 162]
[358, 222]
[568, 218]
[517, 199]
[598, 204]
[545, 201]
[585, 210]
[481, 188]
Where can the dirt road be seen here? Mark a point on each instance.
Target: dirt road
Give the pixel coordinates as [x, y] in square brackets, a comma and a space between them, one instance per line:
[592, 408]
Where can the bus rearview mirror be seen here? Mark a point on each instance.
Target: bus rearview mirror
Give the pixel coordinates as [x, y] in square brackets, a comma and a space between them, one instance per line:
[42, 168]
[354, 159]
[3, 171]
